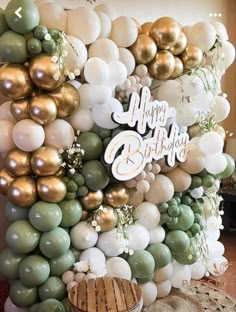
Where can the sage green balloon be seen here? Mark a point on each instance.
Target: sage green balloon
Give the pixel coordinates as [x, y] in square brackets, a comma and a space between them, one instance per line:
[66, 304]
[178, 242]
[92, 145]
[51, 305]
[145, 279]
[14, 213]
[189, 256]
[9, 264]
[53, 288]
[23, 296]
[76, 253]
[45, 216]
[96, 176]
[34, 307]
[142, 263]
[71, 212]
[27, 19]
[54, 243]
[62, 264]
[22, 237]
[13, 48]
[185, 219]
[229, 170]
[161, 254]
[3, 24]
[34, 270]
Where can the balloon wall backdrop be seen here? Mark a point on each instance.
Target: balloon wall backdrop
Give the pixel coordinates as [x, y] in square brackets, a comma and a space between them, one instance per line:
[112, 152]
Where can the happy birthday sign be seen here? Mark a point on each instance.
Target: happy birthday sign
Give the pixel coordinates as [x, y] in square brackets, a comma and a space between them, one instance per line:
[151, 140]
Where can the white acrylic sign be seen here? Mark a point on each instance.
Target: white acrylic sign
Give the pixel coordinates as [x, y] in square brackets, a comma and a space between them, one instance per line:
[139, 148]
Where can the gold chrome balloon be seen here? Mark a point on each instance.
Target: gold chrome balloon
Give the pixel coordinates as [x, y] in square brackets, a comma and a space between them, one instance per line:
[42, 72]
[22, 192]
[165, 31]
[17, 162]
[179, 67]
[144, 49]
[116, 195]
[162, 66]
[46, 161]
[192, 56]
[66, 98]
[194, 131]
[15, 81]
[5, 180]
[146, 27]
[180, 44]
[60, 173]
[19, 109]
[92, 200]
[51, 189]
[106, 218]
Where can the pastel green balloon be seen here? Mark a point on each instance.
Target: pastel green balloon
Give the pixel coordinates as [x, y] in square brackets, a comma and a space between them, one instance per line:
[190, 256]
[66, 305]
[91, 144]
[178, 242]
[142, 263]
[145, 279]
[71, 212]
[33, 308]
[22, 237]
[53, 288]
[161, 254]
[9, 264]
[51, 305]
[23, 296]
[229, 170]
[3, 24]
[14, 213]
[95, 174]
[54, 243]
[62, 264]
[34, 270]
[27, 19]
[45, 216]
[185, 219]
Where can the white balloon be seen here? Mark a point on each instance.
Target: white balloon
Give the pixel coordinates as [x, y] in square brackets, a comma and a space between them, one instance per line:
[224, 55]
[221, 108]
[28, 135]
[213, 235]
[75, 83]
[197, 270]
[92, 254]
[202, 102]
[84, 24]
[181, 275]
[10, 307]
[216, 141]
[90, 95]
[107, 9]
[59, 134]
[163, 92]
[192, 85]
[185, 113]
[163, 274]
[82, 120]
[7, 141]
[83, 235]
[138, 237]
[96, 71]
[124, 31]
[163, 289]
[5, 112]
[118, 267]
[111, 243]
[215, 163]
[148, 215]
[106, 25]
[118, 73]
[217, 266]
[157, 235]
[220, 31]
[127, 58]
[202, 35]
[149, 293]
[104, 49]
[215, 248]
[53, 15]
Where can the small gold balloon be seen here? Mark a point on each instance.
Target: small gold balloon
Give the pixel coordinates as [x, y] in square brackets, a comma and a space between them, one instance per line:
[51, 189]
[165, 31]
[17, 162]
[192, 56]
[5, 180]
[19, 109]
[106, 218]
[179, 67]
[219, 129]
[46, 161]
[15, 82]
[180, 44]
[92, 200]
[144, 49]
[146, 27]
[194, 131]
[116, 195]
[66, 98]
[60, 173]
[162, 66]
[22, 192]
[42, 109]
[43, 72]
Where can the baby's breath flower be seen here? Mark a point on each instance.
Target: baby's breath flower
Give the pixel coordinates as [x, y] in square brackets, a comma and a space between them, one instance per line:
[71, 76]
[98, 228]
[77, 72]
[47, 37]
[54, 58]
[94, 223]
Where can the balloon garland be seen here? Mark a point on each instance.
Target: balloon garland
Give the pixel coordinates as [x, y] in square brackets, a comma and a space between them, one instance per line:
[69, 76]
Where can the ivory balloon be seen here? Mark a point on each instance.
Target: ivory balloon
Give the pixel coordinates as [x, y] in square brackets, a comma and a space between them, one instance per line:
[157, 235]
[162, 66]
[161, 190]
[163, 289]
[51, 189]
[106, 24]
[6, 141]
[19, 109]
[180, 179]
[17, 162]
[149, 293]
[180, 44]
[163, 274]
[138, 237]
[216, 145]
[173, 98]
[90, 95]
[221, 108]
[202, 35]
[144, 49]
[96, 71]
[92, 200]
[135, 197]
[179, 67]
[146, 28]
[107, 9]
[53, 15]
[220, 30]
[83, 235]
[192, 56]
[194, 163]
[147, 215]
[225, 56]
[118, 267]
[5, 180]
[105, 49]
[127, 58]
[5, 112]
[124, 25]
[118, 73]
[82, 120]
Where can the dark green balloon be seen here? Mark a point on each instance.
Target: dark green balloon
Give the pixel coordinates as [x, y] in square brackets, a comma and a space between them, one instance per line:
[14, 213]
[177, 241]
[188, 257]
[101, 132]
[49, 46]
[9, 264]
[185, 219]
[54, 243]
[142, 263]
[161, 254]
[33, 308]
[92, 145]
[34, 46]
[66, 305]
[145, 279]
[62, 264]
[34, 270]
[53, 288]
[96, 177]
[229, 170]
[71, 212]
[28, 19]
[45, 216]
[3, 24]
[51, 305]
[40, 32]
[13, 47]
[23, 296]
[22, 237]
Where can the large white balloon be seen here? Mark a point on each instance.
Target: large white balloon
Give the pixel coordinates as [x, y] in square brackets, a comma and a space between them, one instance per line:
[90, 95]
[215, 248]
[7, 141]
[104, 49]
[139, 237]
[148, 215]
[202, 35]
[163, 92]
[83, 235]
[215, 163]
[202, 102]
[118, 73]
[127, 58]
[124, 31]
[82, 120]
[157, 235]
[217, 266]
[192, 85]
[185, 113]
[106, 25]
[107, 9]
[163, 289]
[221, 108]
[163, 274]
[53, 15]
[96, 71]
[118, 267]
[215, 140]
[224, 55]
[149, 293]
[97, 260]
[220, 31]
[181, 275]
[197, 270]
[5, 112]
